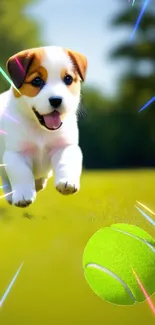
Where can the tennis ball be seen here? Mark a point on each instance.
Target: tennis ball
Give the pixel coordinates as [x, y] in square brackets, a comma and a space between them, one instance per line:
[109, 259]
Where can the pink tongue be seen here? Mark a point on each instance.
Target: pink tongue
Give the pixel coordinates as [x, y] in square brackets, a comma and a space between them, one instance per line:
[52, 120]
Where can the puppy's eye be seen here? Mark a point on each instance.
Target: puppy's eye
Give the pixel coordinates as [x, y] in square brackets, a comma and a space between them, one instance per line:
[68, 80]
[37, 82]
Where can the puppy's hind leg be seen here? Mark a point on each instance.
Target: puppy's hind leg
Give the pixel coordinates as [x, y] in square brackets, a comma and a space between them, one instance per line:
[40, 184]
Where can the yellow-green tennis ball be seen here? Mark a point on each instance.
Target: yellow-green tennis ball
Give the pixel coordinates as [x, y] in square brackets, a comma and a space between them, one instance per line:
[109, 259]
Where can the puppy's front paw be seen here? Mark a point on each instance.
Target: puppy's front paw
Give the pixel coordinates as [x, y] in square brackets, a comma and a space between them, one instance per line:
[66, 187]
[23, 196]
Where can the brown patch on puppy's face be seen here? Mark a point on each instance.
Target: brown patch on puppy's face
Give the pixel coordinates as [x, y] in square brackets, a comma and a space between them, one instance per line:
[27, 88]
[23, 68]
[74, 87]
[60, 70]
[80, 63]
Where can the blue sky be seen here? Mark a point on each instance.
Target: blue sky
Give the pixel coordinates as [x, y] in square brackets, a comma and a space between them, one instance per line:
[84, 25]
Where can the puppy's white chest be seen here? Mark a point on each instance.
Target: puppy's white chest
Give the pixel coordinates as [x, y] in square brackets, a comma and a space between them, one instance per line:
[30, 149]
[40, 158]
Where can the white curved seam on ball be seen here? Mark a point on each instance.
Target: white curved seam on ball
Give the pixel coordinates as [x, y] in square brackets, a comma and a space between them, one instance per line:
[153, 249]
[133, 236]
[104, 269]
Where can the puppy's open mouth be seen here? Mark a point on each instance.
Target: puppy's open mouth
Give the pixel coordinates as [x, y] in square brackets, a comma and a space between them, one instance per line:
[50, 121]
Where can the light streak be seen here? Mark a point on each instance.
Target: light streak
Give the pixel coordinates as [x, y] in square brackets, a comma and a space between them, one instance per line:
[8, 79]
[10, 286]
[145, 207]
[5, 195]
[148, 299]
[139, 19]
[146, 216]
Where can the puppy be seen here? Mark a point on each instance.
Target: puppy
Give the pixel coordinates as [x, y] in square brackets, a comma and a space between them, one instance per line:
[38, 123]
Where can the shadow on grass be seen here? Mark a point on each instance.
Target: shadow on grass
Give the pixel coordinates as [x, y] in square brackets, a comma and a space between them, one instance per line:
[4, 214]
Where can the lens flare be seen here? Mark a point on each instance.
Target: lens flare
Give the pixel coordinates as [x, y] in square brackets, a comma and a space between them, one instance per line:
[139, 19]
[12, 84]
[20, 66]
[4, 186]
[5, 195]
[10, 286]
[146, 216]
[147, 104]
[8, 79]
[146, 208]
[2, 132]
[150, 303]
[11, 118]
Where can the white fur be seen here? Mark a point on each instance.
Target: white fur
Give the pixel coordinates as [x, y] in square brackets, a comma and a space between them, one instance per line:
[30, 151]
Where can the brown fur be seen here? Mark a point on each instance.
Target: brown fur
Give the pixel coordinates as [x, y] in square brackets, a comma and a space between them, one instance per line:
[30, 60]
[75, 86]
[27, 89]
[80, 63]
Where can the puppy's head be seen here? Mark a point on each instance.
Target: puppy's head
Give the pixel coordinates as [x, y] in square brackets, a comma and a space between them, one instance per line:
[49, 80]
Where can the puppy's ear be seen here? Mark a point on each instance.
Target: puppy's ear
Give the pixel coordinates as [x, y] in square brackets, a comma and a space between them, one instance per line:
[80, 63]
[18, 66]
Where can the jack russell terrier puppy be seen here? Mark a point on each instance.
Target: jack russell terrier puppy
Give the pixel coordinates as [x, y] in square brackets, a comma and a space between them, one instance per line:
[38, 123]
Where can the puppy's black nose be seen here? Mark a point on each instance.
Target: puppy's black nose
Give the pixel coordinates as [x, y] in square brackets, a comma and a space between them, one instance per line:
[55, 101]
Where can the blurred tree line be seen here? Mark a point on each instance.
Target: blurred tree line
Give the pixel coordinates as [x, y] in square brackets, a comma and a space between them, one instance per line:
[17, 32]
[112, 132]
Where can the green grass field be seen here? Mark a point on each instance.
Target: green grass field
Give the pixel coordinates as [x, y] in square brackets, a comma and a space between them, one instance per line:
[50, 237]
